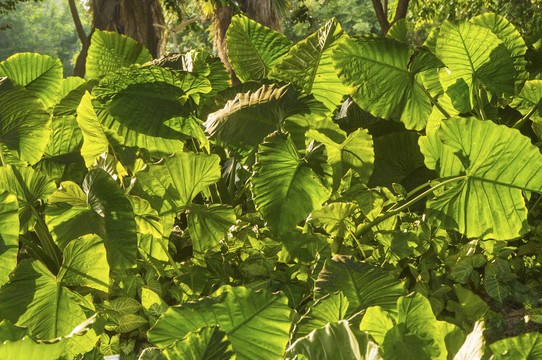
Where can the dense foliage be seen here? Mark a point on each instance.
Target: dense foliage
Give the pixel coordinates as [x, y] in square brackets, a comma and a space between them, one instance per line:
[352, 198]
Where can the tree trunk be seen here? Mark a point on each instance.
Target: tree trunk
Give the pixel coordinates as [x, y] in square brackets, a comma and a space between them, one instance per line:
[134, 18]
[261, 11]
[382, 14]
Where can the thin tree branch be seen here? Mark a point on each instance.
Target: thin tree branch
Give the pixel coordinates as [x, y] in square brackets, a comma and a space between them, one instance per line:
[77, 21]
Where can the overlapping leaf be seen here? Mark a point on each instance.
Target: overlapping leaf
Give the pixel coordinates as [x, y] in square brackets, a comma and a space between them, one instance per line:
[376, 71]
[9, 234]
[110, 51]
[497, 164]
[309, 67]
[286, 189]
[253, 49]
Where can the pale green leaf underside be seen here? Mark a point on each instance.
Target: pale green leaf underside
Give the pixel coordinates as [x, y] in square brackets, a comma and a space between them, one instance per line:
[375, 70]
[253, 49]
[285, 188]
[309, 67]
[498, 163]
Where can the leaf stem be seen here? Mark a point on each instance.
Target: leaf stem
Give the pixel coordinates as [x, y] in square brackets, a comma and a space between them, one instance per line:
[433, 101]
[527, 116]
[2, 159]
[46, 241]
[480, 104]
[391, 213]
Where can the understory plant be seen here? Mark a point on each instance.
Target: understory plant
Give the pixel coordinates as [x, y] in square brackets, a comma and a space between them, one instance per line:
[352, 198]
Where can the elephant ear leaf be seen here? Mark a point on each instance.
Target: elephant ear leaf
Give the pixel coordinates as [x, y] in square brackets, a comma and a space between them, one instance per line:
[9, 233]
[474, 57]
[493, 164]
[24, 126]
[286, 189]
[309, 67]
[376, 71]
[110, 51]
[253, 49]
[39, 74]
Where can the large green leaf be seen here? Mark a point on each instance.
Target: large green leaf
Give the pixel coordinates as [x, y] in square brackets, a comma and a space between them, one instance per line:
[95, 141]
[9, 234]
[376, 71]
[30, 187]
[257, 323]
[329, 309]
[110, 51]
[24, 130]
[334, 218]
[309, 67]
[286, 189]
[35, 298]
[511, 39]
[364, 285]
[85, 264]
[101, 208]
[209, 225]
[250, 117]
[147, 106]
[171, 185]
[474, 57]
[377, 322]
[253, 49]
[39, 74]
[335, 341]
[417, 335]
[355, 152]
[496, 163]
[524, 347]
[207, 343]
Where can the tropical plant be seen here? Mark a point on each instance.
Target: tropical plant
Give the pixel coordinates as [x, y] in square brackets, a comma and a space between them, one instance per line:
[351, 197]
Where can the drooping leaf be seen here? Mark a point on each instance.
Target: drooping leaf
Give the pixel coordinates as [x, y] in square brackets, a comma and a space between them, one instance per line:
[244, 315]
[364, 285]
[209, 225]
[250, 117]
[102, 209]
[511, 39]
[329, 309]
[30, 187]
[110, 51]
[497, 164]
[9, 234]
[474, 56]
[147, 106]
[253, 49]
[171, 185]
[525, 347]
[376, 71]
[24, 130]
[309, 67]
[355, 152]
[286, 189]
[85, 264]
[35, 298]
[207, 343]
[335, 341]
[41, 75]
[474, 344]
